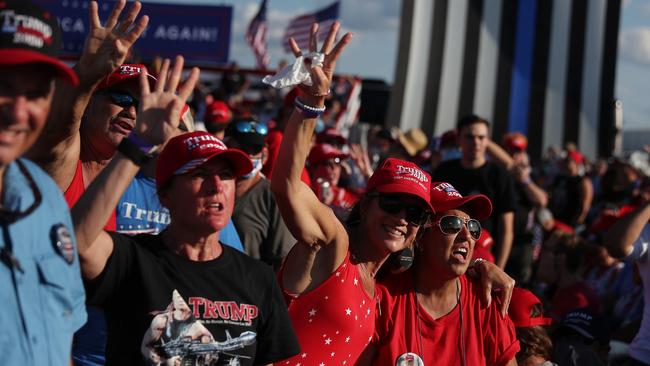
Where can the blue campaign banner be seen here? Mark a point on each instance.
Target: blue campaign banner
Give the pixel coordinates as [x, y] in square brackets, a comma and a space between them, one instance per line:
[200, 33]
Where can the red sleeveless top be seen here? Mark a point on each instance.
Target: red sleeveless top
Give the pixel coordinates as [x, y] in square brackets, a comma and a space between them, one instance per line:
[335, 321]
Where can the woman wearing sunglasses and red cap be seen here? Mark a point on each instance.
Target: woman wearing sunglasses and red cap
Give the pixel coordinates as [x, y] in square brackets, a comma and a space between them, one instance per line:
[329, 276]
[432, 314]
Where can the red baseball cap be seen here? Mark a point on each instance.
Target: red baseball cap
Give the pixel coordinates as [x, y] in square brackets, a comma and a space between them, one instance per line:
[124, 73]
[575, 156]
[449, 139]
[445, 197]
[322, 152]
[521, 306]
[31, 35]
[330, 134]
[188, 151]
[401, 176]
[515, 141]
[218, 112]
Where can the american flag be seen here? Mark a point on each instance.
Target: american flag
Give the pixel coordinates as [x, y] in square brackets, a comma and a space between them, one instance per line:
[256, 36]
[298, 28]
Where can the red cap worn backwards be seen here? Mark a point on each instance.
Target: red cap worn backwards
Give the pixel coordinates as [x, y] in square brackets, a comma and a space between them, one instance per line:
[188, 151]
[521, 305]
[31, 35]
[124, 73]
[445, 197]
[400, 176]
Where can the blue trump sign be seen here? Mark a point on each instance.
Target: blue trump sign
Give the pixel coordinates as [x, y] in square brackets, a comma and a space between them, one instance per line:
[200, 33]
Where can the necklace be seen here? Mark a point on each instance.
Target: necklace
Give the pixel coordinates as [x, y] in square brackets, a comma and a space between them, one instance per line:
[460, 312]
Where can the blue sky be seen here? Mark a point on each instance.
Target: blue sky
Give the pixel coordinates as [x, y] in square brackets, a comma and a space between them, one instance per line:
[375, 25]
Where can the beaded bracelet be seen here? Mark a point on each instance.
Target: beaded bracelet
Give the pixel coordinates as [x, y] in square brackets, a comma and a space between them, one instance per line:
[307, 110]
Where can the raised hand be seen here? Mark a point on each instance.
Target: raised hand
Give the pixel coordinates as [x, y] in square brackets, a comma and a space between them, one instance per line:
[159, 111]
[360, 157]
[106, 46]
[321, 77]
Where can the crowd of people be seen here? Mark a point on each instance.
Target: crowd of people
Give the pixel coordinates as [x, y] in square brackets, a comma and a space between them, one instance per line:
[148, 219]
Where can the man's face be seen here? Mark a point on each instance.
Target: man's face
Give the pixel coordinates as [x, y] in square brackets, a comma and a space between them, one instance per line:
[25, 98]
[473, 141]
[111, 114]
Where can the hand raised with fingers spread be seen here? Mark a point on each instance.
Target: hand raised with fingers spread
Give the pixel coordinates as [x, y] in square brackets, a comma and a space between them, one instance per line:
[106, 46]
[159, 111]
[360, 157]
[321, 76]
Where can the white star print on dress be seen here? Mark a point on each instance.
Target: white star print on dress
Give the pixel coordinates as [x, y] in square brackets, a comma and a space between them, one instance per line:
[333, 331]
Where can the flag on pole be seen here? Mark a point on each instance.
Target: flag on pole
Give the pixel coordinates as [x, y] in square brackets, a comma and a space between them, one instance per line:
[298, 28]
[256, 36]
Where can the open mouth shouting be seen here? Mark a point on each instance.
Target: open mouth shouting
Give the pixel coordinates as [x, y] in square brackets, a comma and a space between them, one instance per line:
[460, 253]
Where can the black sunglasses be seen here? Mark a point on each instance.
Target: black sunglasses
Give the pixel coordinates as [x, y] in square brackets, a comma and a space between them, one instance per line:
[394, 204]
[122, 99]
[452, 225]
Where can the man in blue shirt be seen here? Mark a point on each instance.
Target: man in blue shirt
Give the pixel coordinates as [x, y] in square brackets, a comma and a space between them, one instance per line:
[42, 295]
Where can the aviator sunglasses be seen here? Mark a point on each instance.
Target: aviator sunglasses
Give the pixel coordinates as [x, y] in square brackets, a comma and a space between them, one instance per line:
[452, 225]
[394, 204]
[122, 99]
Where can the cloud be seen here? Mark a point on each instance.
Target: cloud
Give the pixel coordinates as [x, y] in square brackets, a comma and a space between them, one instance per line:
[635, 45]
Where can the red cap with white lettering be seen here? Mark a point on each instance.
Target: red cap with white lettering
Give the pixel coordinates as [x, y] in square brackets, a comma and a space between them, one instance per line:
[124, 73]
[445, 197]
[188, 151]
[31, 35]
[401, 176]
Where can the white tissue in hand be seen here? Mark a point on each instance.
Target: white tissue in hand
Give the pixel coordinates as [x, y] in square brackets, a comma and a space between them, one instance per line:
[295, 74]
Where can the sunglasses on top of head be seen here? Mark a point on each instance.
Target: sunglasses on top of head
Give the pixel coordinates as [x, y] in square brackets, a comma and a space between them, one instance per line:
[252, 127]
[122, 99]
[394, 204]
[452, 225]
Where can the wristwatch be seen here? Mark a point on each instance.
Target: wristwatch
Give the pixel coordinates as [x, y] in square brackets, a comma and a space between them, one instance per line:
[136, 152]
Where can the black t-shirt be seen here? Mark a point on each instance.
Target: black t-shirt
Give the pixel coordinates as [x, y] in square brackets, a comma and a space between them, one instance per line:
[522, 223]
[216, 312]
[491, 179]
[564, 200]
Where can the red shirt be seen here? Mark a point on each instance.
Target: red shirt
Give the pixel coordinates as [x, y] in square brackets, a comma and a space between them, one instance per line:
[487, 338]
[344, 198]
[273, 141]
[335, 321]
[77, 188]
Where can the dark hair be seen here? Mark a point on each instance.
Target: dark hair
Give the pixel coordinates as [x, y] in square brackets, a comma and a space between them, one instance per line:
[354, 218]
[470, 120]
[533, 341]
[575, 250]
